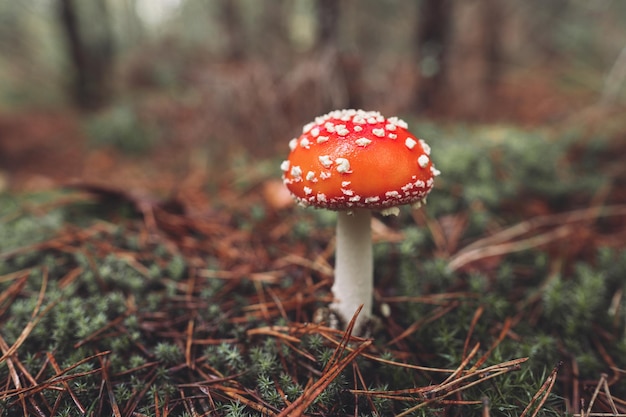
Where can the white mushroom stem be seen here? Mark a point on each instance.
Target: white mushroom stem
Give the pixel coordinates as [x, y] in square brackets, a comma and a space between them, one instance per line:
[354, 276]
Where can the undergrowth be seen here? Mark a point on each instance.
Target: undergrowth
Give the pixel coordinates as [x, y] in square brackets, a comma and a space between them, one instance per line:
[101, 314]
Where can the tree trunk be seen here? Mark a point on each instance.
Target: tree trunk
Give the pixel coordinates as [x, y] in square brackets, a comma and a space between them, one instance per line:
[469, 57]
[432, 40]
[327, 23]
[273, 41]
[91, 63]
[235, 42]
[348, 64]
[458, 51]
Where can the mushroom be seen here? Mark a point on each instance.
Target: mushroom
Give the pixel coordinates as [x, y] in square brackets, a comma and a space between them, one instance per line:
[356, 161]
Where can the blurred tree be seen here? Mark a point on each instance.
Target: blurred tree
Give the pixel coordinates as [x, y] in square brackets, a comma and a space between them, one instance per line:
[432, 38]
[471, 55]
[13, 33]
[90, 51]
[327, 23]
[274, 34]
[347, 65]
[233, 30]
[458, 54]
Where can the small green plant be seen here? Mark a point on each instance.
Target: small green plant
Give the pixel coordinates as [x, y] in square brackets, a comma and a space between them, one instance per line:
[121, 127]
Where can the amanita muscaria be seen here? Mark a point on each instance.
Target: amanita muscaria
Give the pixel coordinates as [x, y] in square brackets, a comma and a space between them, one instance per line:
[356, 161]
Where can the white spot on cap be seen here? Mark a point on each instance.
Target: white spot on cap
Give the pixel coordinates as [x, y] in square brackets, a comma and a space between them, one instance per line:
[358, 119]
[392, 136]
[321, 197]
[325, 175]
[435, 171]
[343, 165]
[358, 128]
[423, 160]
[345, 183]
[308, 127]
[322, 139]
[325, 160]
[307, 190]
[310, 175]
[347, 192]
[379, 132]
[398, 122]
[355, 199]
[410, 143]
[293, 144]
[315, 132]
[284, 166]
[296, 171]
[390, 126]
[407, 187]
[372, 199]
[392, 194]
[305, 143]
[363, 141]
[342, 130]
[425, 146]
[330, 127]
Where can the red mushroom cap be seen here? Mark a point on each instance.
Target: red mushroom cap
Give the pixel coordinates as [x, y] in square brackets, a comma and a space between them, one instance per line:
[358, 159]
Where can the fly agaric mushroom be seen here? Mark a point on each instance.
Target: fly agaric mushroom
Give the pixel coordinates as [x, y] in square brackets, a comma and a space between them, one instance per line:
[356, 161]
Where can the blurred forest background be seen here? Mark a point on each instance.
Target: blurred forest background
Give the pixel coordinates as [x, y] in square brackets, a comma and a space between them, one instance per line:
[203, 80]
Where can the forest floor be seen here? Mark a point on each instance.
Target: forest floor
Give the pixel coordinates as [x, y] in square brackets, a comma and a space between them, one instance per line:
[147, 283]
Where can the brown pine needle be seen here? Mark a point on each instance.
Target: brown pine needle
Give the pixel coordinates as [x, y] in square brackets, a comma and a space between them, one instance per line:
[438, 398]
[440, 312]
[462, 366]
[331, 371]
[466, 257]
[272, 331]
[238, 395]
[35, 317]
[543, 393]
[475, 318]
[58, 370]
[602, 384]
[104, 365]
[504, 242]
[189, 344]
[435, 393]
[58, 378]
[505, 330]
